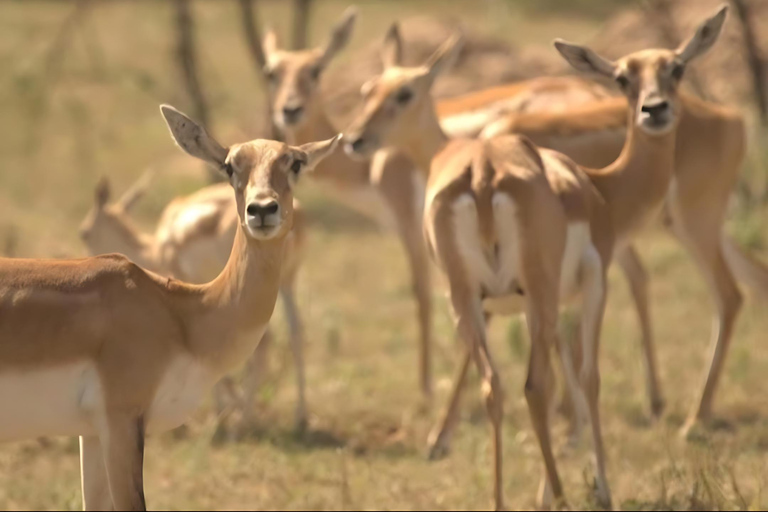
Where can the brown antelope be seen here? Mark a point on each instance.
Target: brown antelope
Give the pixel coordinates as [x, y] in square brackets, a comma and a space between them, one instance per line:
[123, 351]
[191, 243]
[384, 188]
[515, 227]
[710, 149]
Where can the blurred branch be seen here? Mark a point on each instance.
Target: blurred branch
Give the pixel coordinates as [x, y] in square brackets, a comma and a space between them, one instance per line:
[659, 14]
[301, 13]
[253, 41]
[55, 54]
[187, 59]
[756, 63]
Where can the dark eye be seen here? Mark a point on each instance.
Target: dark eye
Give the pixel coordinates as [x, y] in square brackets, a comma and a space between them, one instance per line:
[296, 166]
[271, 74]
[678, 71]
[623, 81]
[314, 73]
[404, 96]
[228, 169]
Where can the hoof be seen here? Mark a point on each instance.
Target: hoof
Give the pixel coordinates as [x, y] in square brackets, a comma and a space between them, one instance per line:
[438, 447]
[694, 430]
[657, 408]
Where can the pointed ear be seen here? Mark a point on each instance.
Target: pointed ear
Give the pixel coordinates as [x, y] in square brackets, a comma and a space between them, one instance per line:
[137, 191]
[584, 59]
[269, 43]
[317, 151]
[102, 192]
[446, 56]
[193, 138]
[392, 51]
[340, 35]
[706, 36]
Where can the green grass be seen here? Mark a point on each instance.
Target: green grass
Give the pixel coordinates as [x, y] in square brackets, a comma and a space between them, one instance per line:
[97, 114]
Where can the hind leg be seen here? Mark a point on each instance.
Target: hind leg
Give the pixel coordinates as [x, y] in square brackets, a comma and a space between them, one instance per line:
[93, 475]
[637, 277]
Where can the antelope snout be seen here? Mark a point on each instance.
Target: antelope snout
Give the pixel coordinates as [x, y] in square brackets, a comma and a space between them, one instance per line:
[656, 115]
[262, 215]
[293, 114]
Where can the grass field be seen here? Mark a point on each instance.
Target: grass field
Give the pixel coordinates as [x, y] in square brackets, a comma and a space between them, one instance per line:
[93, 111]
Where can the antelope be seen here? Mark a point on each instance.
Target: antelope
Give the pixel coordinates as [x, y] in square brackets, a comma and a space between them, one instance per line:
[384, 188]
[191, 243]
[122, 351]
[710, 149]
[515, 227]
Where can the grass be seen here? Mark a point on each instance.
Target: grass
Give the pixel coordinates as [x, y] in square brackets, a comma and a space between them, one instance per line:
[97, 114]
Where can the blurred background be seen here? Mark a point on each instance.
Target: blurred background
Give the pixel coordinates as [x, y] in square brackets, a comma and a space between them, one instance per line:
[80, 85]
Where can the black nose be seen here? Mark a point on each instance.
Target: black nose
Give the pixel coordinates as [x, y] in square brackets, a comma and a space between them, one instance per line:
[262, 209]
[292, 114]
[357, 144]
[657, 109]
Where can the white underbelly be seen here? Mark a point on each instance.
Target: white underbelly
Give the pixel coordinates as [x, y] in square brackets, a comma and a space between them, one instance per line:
[52, 401]
[499, 275]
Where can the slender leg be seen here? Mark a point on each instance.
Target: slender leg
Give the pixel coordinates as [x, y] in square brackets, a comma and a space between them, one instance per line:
[440, 436]
[123, 444]
[93, 475]
[705, 245]
[297, 346]
[420, 278]
[470, 325]
[637, 276]
[255, 370]
[593, 308]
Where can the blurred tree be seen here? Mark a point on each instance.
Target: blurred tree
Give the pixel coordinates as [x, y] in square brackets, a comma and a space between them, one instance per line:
[301, 14]
[756, 61]
[253, 41]
[186, 56]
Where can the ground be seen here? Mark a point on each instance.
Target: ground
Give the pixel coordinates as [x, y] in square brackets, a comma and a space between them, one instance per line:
[366, 444]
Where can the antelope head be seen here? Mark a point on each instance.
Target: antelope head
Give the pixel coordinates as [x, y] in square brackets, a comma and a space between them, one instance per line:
[261, 172]
[650, 79]
[294, 76]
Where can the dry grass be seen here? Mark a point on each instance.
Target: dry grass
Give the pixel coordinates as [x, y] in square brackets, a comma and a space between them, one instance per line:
[366, 444]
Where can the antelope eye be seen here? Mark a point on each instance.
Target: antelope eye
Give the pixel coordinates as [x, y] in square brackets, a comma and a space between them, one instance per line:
[404, 96]
[228, 169]
[296, 166]
[314, 73]
[271, 74]
[623, 81]
[678, 71]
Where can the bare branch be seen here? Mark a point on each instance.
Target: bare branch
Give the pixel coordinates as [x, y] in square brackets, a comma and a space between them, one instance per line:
[301, 12]
[757, 64]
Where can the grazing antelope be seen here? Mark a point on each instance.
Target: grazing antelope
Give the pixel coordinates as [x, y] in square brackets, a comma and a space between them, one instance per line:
[192, 242]
[514, 227]
[101, 348]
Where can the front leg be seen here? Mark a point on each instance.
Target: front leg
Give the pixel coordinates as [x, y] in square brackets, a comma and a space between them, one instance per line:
[123, 442]
[93, 475]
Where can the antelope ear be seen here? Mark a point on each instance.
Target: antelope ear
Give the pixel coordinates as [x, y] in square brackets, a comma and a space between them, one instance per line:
[192, 138]
[340, 35]
[585, 59]
[317, 151]
[102, 192]
[704, 38]
[446, 56]
[137, 191]
[269, 43]
[392, 50]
